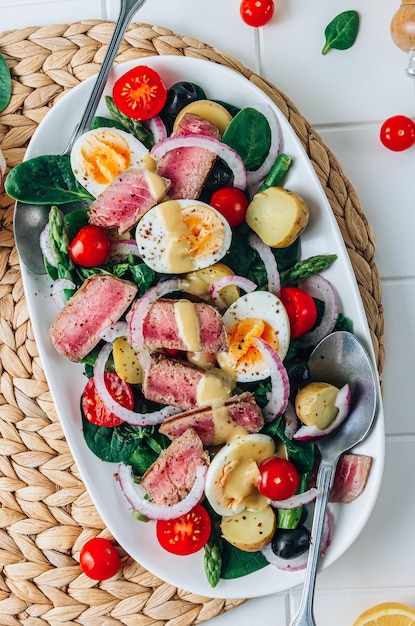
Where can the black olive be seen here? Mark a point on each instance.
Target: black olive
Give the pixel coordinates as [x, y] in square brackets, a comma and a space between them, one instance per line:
[290, 542]
[220, 176]
[298, 373]
[178, 96]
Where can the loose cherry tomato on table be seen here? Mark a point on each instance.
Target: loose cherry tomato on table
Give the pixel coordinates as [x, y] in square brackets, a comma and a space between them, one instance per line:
[301, 310]
[93, 407]
[398, 133]
[90, 246]
[140, 93]
[256, 12]
[185, 534]
[99, 559]
[232, 203]
[279, 478]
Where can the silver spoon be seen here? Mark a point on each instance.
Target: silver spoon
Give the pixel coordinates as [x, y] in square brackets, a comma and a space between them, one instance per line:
[338, 359]
[30, 219]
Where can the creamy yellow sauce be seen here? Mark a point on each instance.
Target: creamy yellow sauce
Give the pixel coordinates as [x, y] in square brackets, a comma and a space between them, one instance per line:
[176, 254]
[213, 389]
[224, 426]
[187, 324]
[156, 184]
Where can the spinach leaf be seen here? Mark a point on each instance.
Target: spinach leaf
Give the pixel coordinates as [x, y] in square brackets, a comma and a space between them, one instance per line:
[46, 179]
[237, 563]
[106, 122]
[342, 31]
[301, 453]
[250, 135]
[5, 83]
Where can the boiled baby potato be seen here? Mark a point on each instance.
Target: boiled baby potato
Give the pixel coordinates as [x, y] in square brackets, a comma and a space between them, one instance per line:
[208, 110]
[278, 216]
[200, 281]
[250, 530]
[126, 362]
[315, 404]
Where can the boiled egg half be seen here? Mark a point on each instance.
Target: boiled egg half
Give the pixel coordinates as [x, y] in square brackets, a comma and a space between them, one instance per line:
[259, 314]
[179, 236]
[233, 474]
[99, 155]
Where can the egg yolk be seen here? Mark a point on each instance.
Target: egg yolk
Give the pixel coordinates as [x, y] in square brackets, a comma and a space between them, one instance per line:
[205, 232]
[103, 155]
[242, 352]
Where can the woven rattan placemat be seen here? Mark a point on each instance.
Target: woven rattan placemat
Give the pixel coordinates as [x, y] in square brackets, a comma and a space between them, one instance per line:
[45, 514]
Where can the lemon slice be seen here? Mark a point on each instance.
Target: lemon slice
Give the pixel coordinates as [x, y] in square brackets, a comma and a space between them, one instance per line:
[387, 614]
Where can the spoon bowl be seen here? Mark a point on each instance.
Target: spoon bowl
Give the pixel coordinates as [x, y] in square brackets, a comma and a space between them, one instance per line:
[340, 358]
[30, 219]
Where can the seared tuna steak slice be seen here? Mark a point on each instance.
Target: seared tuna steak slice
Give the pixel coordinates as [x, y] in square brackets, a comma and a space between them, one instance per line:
[127, 198]
[351, 476]
[173, 474]
[188, 168]
[180, 383]
[214, 425]
[184, 325]
[100, 301]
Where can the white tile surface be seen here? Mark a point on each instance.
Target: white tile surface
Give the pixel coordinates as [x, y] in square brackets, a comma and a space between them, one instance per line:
[346, 95]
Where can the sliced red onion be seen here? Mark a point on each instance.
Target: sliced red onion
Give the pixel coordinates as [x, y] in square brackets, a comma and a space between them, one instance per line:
[46, 246]
[309, 433]
[291, 421]
[226, 281]
[255, 177]
[112, 332]
[320, 288]
[131, 417]
[58, 291]
[299, 499]
[280, 384]
[268, 258]
[121, 248]
[142, 307]
[157, 128]
[3, 165]
[224, 152]
[135, 495]
[300, 562]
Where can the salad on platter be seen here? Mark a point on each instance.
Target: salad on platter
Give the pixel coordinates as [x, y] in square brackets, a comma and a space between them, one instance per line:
[183, 293]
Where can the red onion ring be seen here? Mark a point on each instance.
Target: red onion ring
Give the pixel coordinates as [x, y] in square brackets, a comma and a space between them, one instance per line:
[157, 128]
[136, 495]
[299, 499]
[300, 562]
[280, 384]
[121, 248]
[320, 288]
[224, 152]
[58, 289]
[131, 417]
[226, 281]
[269, 260]
[112, 332]
[309, 433]
[255, 177]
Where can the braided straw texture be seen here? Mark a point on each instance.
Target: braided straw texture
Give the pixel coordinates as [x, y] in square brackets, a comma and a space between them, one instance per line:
[46, 515]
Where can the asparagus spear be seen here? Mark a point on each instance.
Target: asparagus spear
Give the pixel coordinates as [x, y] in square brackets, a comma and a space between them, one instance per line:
[58, 235]
[307, 267]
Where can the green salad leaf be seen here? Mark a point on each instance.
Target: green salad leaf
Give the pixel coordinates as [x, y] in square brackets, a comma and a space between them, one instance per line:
[342, 31]
[250, 135]
[5, 83]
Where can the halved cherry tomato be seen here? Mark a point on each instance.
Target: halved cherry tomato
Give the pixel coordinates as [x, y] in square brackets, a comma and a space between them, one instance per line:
[232, 203]
[398, 133]
[90, 246]
[185, 534]
[140, 93]
[99, 559]
[256, 12]
[93, 407]
[301, 310]
[279, 478]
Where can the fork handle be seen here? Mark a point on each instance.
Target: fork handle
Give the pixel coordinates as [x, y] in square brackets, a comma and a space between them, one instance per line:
[325, 477]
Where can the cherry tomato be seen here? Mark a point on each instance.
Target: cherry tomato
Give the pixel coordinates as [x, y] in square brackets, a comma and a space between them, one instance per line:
[301, 310]
[90, 246]
[185, 534]
[99, 559]
[398, 133]
[140, 93]
[232, 203]
[256, 12]
[93, 407]
[279, 478]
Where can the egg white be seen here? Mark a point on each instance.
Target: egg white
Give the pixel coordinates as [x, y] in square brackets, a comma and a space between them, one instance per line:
[265, 306]
[152, 233]
[136, 151]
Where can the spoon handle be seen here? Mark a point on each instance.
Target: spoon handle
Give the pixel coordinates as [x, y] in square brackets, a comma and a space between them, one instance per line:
[127, 10]
[325, 477]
